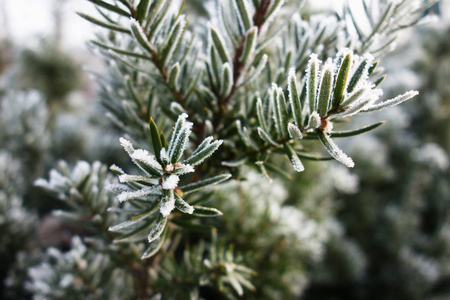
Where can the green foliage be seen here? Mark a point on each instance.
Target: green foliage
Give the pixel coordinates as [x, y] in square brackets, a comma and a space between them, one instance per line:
[54, 73]
[260, 81]
[80, 272]
[205, 266]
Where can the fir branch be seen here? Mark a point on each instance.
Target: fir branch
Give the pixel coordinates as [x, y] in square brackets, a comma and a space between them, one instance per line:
[238, 64]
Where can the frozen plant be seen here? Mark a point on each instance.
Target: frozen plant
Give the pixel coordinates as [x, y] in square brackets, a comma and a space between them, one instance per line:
[262, 81]
[158, 192]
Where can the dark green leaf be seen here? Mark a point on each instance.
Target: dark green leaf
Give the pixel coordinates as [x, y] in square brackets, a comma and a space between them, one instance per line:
[111, 7]
[244, 14]
[158, 228]
[333, 149]
[143, 9]
[295, 161]
[153, 248]
[141, 37]
[325, 92]
[347, 133]
[156, 139]
[103, 24]
[294, 98]
[250, 44]
[182, 205]
[201, 211]
[341, 81]
[357, 75]
[189, 188]
[206, 152]
[219, 45]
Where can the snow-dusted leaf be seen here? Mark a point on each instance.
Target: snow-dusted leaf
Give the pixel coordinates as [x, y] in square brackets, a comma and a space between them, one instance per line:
[153, 248]
[127, 224]
[314, 120]
[250, 44]
[158, 228]
[361, 72]
[195, 186]
[201, 211]
[392, 102]
[294, 98]
[226, 83]
[109, 26]
[174, 73]
[200, 156]
[156, 139]
[326, 85]
[235, 284]
[294, 132]
[341, 80]
[139, 233]
[176, 131]
[347, 133]
[293, 157]
[110, 7]
[266, 137]
[143, 9]
[355, 96]
[219, 45]
[116, 170]
[173, 39]
[128, 178]
[140, 36]
[333, 149]
[182, 169]
[128, 195]
[117, 188]
[312, 74]
[167, 203]
[260, 115]
[127, 146]
[178, 146]
[203, 145]
[279, 107]
[147, 162]
[242, 11]
[182, 205]
[273, 10]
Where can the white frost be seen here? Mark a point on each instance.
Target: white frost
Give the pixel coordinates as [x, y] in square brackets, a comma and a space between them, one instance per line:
[297, 164]
[116, 168]
[167, 205]
[126, 144]
[170, 182]
[164, 156]
[125, 196]
[145, 157]
[314, 120]
[294, 132]
[128, 178]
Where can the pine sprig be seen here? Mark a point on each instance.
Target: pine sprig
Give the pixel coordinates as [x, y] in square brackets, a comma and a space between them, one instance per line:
[158, 192]
[334, 90]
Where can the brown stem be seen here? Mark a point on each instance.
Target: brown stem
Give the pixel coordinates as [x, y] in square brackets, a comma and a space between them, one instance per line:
[260, 14]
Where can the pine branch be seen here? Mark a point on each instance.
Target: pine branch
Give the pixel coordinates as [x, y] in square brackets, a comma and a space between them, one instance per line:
[157, 61]
[238, 65]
